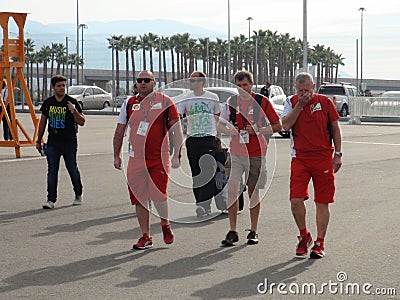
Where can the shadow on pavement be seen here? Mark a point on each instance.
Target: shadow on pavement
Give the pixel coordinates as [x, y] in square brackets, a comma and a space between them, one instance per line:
[81, 226]
[71, 272]
[181, 268]
[9, 217]
[246, 286]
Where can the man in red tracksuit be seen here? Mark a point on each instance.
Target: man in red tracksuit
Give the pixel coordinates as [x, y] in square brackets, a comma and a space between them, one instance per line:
[148, 164]
[313, 121]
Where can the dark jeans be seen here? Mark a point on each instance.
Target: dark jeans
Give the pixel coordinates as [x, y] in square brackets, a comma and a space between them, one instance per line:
[54, 151]
[6, 129]
[203, 177]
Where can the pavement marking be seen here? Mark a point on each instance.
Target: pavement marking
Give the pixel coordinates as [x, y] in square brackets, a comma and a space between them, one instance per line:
[371, 143]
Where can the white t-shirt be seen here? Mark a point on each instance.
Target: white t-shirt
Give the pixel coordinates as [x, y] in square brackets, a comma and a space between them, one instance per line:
[123, 117]
[200, 113]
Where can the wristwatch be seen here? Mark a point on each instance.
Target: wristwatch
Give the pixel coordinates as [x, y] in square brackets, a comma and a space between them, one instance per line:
[72, 111]
[338, 153]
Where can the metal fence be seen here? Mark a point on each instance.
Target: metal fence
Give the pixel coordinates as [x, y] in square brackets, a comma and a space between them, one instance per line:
[374, 107]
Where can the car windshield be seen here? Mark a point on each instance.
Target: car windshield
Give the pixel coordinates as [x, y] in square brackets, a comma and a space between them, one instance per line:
[391, 94]
[331, 90]
[75, 90]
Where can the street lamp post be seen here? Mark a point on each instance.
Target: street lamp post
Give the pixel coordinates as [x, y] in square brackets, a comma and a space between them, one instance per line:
[77, 41]
[112, 74]
[66, 46]
[362, 9]
[229, 41]
[249, 19]
[82, 26]
[305, 65]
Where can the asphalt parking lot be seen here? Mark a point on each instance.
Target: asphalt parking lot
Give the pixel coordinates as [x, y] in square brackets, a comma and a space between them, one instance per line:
[84, 252]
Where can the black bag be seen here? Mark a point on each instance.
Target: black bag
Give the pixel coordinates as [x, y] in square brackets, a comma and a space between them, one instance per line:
[221, 178]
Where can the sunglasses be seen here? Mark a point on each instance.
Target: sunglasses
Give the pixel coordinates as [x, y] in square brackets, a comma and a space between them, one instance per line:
[195, 80]
[146, 80]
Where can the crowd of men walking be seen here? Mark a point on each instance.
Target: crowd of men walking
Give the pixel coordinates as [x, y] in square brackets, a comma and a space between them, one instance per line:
[154, 123]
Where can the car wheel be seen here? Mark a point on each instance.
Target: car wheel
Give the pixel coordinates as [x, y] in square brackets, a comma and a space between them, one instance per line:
[344, 111]
[81, 104]
[285, 134]
[106, 104]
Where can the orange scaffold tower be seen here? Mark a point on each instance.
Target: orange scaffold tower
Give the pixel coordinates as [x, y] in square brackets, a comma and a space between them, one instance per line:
[12, 56]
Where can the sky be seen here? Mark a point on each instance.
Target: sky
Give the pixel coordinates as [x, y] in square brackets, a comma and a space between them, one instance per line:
[335, 24]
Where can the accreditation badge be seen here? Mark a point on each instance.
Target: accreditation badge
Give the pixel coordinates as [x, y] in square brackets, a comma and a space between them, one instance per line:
[244, 136]
[143, 127]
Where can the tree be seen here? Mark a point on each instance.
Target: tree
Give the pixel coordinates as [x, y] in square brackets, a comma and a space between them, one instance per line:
[116, 41]
[45, 55]
[125, 46]
[152, 43]
[144, 45]
[29, 45]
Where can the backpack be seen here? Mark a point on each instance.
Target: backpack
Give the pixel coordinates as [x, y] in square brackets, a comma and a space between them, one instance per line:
[256, 112]
[129, 105]
[324, 107]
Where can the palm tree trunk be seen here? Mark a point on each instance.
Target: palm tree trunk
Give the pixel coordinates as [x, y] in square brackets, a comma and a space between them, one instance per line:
[127, 70]
[165, 67]
[173, 64]
[151, 59]
[144, 59]
[117, 73]
[133, 66]
[38, 81]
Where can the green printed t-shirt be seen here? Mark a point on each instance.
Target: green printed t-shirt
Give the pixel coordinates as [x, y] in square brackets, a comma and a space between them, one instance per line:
[200, 112]
[61, 123]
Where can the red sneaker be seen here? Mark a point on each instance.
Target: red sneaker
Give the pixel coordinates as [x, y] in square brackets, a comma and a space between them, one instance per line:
[168, 234]
[303, 245]
[144, 242]
[317, 251]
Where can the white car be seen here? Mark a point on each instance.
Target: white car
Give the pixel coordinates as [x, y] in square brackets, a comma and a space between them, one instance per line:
[277, 97]
[387, 104]
[90, 97]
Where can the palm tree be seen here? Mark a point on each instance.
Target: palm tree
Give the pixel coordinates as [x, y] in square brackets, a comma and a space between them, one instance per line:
[133, 44]
[37, 59]
[173, 44]
[193, 52]
[165, 46]
[72, 61]
[45, 56]
[273, 51]
[184, 44]
[29, 45]
[60, 52]
[318, 54]
[125, 44]
[152, 43]
[211, 58]
[338, 60]
[116, 40]
[144, 45]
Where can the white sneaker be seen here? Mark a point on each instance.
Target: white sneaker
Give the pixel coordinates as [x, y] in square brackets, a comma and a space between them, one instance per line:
[78, 200]
[48, 205]
[200, 211]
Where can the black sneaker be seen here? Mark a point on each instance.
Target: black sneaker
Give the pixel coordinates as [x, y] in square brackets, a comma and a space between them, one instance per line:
[252, 238]
[231, 237]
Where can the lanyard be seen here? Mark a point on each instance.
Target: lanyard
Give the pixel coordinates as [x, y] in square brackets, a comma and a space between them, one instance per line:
[244, 118]
[146, 113]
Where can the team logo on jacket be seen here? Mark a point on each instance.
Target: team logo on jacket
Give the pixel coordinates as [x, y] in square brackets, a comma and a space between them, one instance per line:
[157, 106]
[136, 106]
[316, 107]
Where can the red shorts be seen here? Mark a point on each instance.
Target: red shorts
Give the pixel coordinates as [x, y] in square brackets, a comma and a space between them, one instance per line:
[147, 180]
[321, 172]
